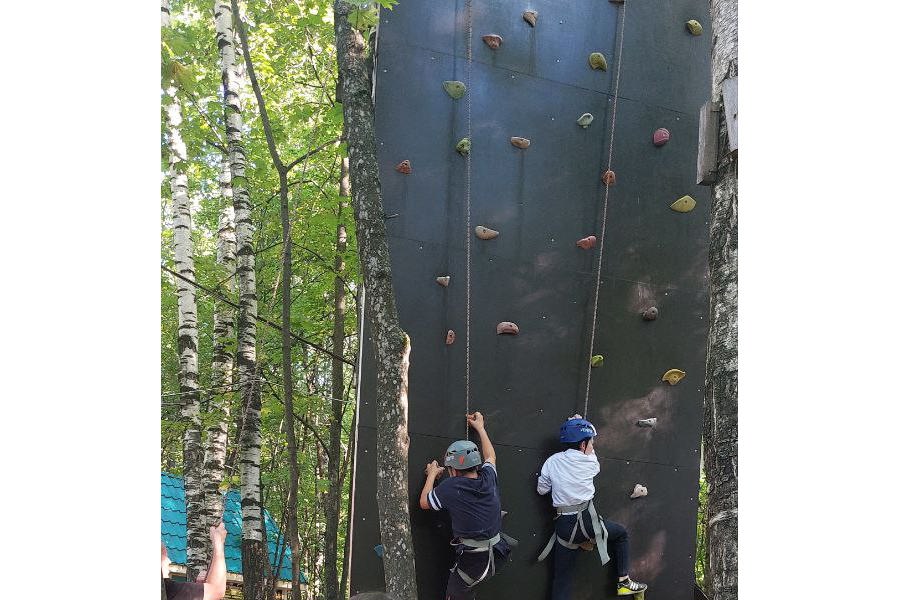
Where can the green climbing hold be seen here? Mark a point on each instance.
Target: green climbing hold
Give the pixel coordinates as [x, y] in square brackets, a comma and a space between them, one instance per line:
[597, 61]
[684, 204]
[456, 89]
[596, 360]
[694, 27]
[463, 146]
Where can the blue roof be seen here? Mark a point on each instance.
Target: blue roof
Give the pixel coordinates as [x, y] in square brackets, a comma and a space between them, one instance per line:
[174, 529]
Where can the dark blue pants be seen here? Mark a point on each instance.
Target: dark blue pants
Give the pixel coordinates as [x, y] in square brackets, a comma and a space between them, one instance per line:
[473, 564]
[564, 558]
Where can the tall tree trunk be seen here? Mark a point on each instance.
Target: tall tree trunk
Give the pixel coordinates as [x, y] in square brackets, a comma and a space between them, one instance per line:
[187, 333]
[333, 503]
[255, 564]
[222, 361]
[720, 425]
[391, 342]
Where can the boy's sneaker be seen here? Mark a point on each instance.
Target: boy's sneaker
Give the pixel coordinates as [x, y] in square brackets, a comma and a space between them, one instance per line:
[629, 587]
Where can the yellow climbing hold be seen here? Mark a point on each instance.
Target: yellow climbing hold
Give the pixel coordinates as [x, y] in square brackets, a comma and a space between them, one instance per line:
[455, 89]
[684, 204]
[694, 27]
[596, 360]
[463, 146]
[673, 376]
[597, 61]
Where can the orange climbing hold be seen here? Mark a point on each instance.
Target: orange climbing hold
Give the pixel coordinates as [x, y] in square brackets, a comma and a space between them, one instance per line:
[492, 40]
[520, 142]
[404, 167]
[609, 178]
[587, 243]
[484, 233]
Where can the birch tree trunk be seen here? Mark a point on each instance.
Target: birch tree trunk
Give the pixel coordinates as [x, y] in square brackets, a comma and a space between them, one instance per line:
[222, 361]
[720, 427]
[391, 342]
[333, 502]
[255, 565]
[187, 331]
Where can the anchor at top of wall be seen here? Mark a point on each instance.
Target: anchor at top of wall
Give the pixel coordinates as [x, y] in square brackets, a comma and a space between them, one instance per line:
[585, 120]
[443, 280]
[485, 233]
[651, 422]
[661, 136]
[530, 17]
[694, 27]
[507, 327]
[455, 89]
[650, 313]
[520, 142]
[492, 40]
[404, 167]
[586, 243]
[609, 178]
[685, 204]
[673, 376]
[463, 146]
[597, 61]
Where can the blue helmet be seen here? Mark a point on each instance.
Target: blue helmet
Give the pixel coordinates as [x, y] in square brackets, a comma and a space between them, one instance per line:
[576, 430]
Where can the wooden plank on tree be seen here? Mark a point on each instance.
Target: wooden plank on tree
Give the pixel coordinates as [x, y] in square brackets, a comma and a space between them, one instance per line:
[730, 99]
[707, 145]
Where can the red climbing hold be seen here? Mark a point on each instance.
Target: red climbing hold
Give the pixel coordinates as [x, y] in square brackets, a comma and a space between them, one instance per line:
[587, 243]
[492, 40]
[507, 327]
[451, 337]
[404, 167]
[660, 136]
[609, 178]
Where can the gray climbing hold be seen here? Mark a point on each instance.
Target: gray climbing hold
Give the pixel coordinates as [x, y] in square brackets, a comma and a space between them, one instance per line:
[463, 146]
[484, 233]
[650, 314]
[456, 89]
[444, 280]
[651, 422]
[639, 491]
[530, 17]
[585, 120]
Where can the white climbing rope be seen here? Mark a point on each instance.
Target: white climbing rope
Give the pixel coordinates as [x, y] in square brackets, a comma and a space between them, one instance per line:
[468, 194]
[612, 135]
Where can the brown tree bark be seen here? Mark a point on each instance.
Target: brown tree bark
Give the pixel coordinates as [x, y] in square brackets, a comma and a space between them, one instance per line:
[720, 425]
[391, 344]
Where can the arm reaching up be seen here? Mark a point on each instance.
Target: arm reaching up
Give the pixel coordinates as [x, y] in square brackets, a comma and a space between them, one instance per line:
[214, 584]
[476, 422]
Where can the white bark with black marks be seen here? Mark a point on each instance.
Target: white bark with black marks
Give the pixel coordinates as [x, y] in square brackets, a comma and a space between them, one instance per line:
[391, 344]
[720, 427]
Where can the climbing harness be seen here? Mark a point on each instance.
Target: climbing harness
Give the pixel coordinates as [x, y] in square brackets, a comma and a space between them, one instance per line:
[612, 135]
[600, 533]
[477, 546]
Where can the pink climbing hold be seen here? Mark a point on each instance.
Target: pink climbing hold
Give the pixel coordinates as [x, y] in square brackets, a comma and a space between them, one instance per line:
[660, 136]
[609, 178]
[587, 243]
[451, 337]
[507, 327]
[404, 167]
[444, 280]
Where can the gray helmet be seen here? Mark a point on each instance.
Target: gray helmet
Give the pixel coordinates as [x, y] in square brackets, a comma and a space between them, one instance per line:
[462, 454]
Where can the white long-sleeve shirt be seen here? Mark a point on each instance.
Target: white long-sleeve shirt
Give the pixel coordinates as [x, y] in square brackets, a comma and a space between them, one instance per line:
[570, 476]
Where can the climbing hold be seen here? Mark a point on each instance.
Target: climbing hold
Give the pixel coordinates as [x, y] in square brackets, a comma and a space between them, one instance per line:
[684, 204]
[673, 376]
[456, 89]
[596, 360]
[609, 178]
[379, 550]
[520, 142]
[587, 243]
[404, 167]
[492, 40]
[530, 17]
[463, 146]
[647, 422]
[694, 27]
[507, 327]
[597, 61]
[585, 120]
[650, 314]
[660, 136]
[444, 280]
[484, 233]
[451, 337]
[639, 491]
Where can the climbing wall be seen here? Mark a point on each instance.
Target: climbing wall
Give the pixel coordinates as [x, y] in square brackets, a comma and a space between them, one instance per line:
[543, 199]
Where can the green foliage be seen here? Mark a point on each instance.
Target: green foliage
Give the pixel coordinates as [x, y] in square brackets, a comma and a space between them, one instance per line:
[700, 562]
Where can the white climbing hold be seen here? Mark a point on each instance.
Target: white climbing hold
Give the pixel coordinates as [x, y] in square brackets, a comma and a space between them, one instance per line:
[444, 280]
[651, 422]
[639, 491]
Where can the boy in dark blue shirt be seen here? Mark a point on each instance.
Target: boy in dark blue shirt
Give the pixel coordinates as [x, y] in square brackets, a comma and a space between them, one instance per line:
[472, 498]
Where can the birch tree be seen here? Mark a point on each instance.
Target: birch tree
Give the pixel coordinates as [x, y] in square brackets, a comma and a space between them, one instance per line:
[254, 554]
[720, 412]
[187, 321]
[391, 343]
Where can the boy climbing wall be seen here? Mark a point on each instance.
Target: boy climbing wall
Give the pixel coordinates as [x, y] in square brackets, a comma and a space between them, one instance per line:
[472, 498]
[569, 474]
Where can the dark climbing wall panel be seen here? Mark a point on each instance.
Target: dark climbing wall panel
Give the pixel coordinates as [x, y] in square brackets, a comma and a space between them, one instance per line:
[542, 200]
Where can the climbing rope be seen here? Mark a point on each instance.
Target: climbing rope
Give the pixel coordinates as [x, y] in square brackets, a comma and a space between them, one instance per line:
[468, 195]
[612, 135]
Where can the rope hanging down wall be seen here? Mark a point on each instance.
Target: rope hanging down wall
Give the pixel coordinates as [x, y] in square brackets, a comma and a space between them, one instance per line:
[468, 197]
[612, 135]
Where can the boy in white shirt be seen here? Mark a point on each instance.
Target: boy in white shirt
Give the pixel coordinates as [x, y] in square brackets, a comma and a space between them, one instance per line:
[569, 474]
